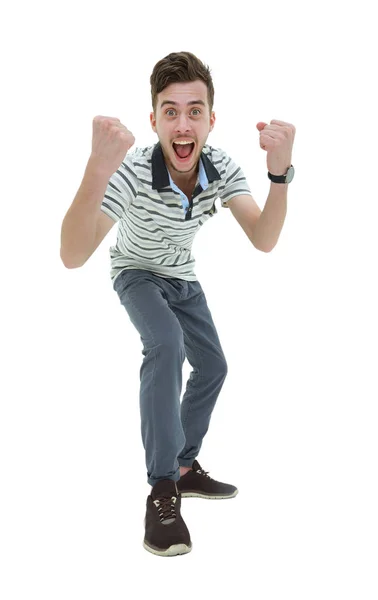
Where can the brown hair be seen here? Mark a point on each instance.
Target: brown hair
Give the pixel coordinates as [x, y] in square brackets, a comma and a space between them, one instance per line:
[180, 67]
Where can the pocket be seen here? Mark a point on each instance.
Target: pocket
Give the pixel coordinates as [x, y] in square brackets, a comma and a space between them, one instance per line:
[123, 280]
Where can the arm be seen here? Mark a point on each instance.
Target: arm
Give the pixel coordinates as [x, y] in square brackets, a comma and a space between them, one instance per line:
[266, 230]
[262, 227]
[277, 139]
[80, 223]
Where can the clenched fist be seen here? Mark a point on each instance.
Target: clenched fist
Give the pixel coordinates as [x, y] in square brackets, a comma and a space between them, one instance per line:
[110, 143]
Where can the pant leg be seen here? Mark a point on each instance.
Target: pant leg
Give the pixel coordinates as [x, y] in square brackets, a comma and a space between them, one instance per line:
[146, 299]
[205, 354]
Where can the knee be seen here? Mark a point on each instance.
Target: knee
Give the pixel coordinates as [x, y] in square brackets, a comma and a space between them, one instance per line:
[171, 341]
[224, 367]
[219, 367]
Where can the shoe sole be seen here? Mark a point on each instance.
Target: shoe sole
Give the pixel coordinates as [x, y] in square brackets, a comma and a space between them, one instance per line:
[174, 550]
[196, 495]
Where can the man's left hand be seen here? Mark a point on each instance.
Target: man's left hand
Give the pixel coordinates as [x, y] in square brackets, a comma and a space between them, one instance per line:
[277, 139]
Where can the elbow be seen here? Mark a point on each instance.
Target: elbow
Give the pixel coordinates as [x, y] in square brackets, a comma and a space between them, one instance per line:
[70, 264]
[72, 260]
[257, 245]
[265, 249]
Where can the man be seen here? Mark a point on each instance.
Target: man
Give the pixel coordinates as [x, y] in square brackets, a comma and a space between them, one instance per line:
[160, 196]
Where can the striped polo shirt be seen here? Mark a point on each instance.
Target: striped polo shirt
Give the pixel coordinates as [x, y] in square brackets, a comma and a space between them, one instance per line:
[156, 221]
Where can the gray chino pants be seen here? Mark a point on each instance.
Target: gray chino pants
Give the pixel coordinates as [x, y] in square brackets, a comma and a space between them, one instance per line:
[174, 322]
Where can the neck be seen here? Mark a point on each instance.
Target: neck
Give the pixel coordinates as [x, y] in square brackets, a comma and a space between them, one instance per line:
[181, 179]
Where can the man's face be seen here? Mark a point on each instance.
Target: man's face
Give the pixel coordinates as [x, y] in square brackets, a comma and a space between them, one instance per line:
[182, 113]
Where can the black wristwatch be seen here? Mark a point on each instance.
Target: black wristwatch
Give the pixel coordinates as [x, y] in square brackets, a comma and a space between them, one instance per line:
[286, 178]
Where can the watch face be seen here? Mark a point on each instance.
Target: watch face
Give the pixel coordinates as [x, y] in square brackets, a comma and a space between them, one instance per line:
[290, 174]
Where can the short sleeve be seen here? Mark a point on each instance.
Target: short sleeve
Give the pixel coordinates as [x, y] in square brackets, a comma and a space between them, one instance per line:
[235, 182]
[121, 190]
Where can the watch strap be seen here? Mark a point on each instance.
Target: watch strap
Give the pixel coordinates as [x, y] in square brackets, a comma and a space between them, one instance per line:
[278, 178]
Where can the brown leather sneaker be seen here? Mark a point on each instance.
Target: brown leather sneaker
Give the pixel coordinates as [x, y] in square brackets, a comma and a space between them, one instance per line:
[166, 532]
[198, 484]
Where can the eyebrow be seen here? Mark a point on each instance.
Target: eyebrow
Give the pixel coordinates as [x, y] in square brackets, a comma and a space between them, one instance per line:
[188, 103]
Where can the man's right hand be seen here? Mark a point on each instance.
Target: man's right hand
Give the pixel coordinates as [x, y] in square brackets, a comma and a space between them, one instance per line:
[110, 143]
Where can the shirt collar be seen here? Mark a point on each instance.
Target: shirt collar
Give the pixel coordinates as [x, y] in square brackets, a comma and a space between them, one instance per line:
[161, 176]
[202, 178]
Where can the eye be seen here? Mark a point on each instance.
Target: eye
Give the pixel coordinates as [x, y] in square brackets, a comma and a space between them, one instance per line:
[173, 110]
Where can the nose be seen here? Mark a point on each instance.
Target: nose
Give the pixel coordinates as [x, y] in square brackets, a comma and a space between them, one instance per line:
[182, 124]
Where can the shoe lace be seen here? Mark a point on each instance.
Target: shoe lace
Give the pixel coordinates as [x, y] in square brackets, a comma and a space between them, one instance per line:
[203, 472]
[166, 507]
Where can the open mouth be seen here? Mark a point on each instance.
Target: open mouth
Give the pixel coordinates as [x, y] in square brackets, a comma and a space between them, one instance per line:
[183, 152]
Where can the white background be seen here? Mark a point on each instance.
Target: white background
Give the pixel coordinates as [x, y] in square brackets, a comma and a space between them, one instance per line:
[295, 425]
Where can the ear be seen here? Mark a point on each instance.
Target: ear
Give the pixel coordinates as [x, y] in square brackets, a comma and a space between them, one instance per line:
[153, 122]
[212, 121]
